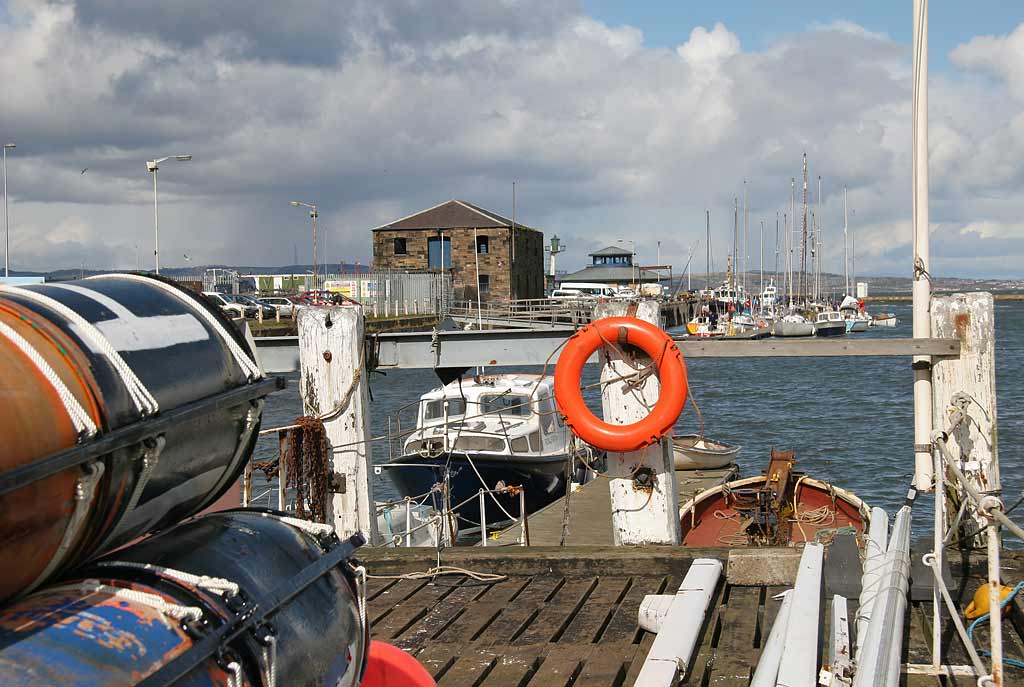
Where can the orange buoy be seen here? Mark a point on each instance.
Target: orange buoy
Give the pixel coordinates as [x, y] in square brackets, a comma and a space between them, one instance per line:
[653, 341]
[389, 666]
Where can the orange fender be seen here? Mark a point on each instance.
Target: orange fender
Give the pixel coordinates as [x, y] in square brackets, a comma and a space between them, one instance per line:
[671, 372]
[389, 666]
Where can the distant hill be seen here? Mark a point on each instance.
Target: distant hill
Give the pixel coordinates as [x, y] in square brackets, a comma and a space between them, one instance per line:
[876, 285]
[198, 271]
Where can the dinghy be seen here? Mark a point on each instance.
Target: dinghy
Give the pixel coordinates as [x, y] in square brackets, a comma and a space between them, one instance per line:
[694, 452]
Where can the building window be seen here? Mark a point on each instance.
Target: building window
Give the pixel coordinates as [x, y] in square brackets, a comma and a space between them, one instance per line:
[400, 247]
[483, 284]
[482, 244]
[438, 258]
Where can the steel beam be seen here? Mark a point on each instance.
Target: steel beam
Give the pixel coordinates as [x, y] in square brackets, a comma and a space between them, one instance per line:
[500, 347]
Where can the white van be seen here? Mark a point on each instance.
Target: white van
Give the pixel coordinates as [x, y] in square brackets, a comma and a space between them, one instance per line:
[587, 289]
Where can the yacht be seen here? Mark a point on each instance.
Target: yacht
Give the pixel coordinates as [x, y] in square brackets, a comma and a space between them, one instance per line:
[793, 324]
[487, 432]
[856, 319]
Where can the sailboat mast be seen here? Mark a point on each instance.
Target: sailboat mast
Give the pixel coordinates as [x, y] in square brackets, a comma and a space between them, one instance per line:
[746, 238]
[818, 279]
[846, 245]
[776, 270]
[803, 234]
[762, 257]
[707, 225]
[735, 241]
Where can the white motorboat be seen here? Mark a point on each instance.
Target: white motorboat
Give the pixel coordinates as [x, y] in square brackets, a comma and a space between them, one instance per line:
[490, 431]
[829, 323]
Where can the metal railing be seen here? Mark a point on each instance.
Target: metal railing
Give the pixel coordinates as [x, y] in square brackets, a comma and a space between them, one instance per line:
[989, 506]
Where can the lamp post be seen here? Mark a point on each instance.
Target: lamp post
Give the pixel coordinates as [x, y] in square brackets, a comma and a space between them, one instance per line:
[313, 215]
[7, 217]
[152, 166]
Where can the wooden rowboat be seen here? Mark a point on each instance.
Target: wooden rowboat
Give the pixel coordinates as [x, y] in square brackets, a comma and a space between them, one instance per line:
[694, 452]
[779, 508]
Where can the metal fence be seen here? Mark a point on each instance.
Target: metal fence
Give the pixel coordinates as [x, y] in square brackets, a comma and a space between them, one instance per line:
[382, 292]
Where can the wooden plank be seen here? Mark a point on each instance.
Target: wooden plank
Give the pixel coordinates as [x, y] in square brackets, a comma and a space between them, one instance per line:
[407, 612]
[623, 627]
[730, 665]
[597, 611]
[471, 668]
[812, 347]
[392, 596]
[514, 618]
[438, 619]
[558, 668]
[512, 668]
[607, 666]
[438, 659]
[479, 613]
[557, 612]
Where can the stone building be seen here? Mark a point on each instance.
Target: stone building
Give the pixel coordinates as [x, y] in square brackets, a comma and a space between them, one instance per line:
[452, 237]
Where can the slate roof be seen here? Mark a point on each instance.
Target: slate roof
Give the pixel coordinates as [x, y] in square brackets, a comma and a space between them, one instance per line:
[611, 250]
[452, 214]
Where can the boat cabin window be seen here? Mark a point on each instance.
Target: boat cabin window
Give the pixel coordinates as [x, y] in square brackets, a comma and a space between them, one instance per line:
[528, 443]
[516, 405]
[549, 417]
[434, 409]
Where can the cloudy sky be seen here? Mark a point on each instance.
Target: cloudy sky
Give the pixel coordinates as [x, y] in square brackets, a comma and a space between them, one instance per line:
[616, 122]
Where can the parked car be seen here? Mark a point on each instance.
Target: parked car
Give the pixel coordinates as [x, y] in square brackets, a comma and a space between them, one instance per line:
[281, 304]
[268, 310]
[570, 295]
[229, 306]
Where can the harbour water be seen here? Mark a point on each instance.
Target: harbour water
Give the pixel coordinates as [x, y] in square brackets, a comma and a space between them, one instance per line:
[850, 420]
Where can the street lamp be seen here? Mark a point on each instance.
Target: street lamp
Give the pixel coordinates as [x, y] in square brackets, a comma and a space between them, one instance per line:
[7, 217]
[152, 166]
[313, 214]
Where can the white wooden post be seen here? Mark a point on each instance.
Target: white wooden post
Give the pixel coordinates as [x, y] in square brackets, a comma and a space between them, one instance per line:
[333, 383]
[640, 514]
[968, 382]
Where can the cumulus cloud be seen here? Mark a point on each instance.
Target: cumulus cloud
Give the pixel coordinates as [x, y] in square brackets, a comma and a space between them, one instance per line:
[377, 108]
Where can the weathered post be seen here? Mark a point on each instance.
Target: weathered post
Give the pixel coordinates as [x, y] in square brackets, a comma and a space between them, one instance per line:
[645, 503]
[333, 386]
[968, 384]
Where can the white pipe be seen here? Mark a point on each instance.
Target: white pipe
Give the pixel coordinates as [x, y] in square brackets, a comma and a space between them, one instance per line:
[771, 655]
[879, 662]
[923, 469]
[994, 599]
[839, 645]
[874, 558]
[800, 653]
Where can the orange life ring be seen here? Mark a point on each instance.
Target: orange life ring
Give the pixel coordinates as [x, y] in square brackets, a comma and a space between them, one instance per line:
[671, 371]
[389, 666]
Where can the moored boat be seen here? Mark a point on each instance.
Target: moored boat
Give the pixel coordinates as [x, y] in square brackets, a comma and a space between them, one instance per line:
[695, 452]
[793, 324]
[829, 323]
[488, 432]
[884, 320]
[784, 509]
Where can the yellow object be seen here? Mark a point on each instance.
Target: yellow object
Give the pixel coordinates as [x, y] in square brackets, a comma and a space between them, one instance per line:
[979, 606]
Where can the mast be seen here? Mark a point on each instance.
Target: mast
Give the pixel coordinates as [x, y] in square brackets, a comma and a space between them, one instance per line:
[735, 241]
[776, 270]
[762, 258]
[707, 225]
[846, 245]
[818, 285]
[803, 235]
[746, 238]
[923, 467]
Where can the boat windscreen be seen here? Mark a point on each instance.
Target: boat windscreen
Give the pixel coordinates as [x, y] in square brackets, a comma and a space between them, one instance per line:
[434, 409]
[515, 405]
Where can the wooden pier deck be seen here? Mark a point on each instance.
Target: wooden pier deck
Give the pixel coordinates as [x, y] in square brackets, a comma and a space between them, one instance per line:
[568, 616]
[590, 511]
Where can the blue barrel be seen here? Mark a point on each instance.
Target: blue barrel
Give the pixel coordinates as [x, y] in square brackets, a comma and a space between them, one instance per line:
[295, 612]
